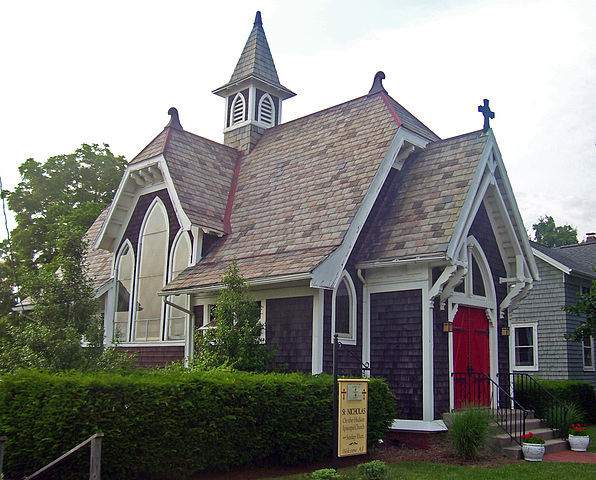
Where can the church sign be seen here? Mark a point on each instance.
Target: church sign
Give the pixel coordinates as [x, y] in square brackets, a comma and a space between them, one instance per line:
[352, 417]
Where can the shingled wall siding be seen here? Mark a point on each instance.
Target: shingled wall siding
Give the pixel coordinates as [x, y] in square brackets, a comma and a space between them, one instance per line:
[136, 220]
[574, 349]
[396, 347]
[155, 356]
[543, 305]
[289, 327]
[440, 361]
[483, 232]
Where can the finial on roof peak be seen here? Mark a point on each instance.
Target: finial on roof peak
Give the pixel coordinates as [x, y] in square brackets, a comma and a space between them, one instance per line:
[377, 85]
[174, 119]
[258, 20]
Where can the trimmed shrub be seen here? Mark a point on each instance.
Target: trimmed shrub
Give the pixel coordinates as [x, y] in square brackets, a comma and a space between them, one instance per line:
[325, 474]
[374, 470]
[578, 392]
[468, 430]
[170, 425]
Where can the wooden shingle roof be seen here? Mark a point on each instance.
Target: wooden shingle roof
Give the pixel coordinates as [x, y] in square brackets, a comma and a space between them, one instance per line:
[298, 191]
[420, 216]
[99, 261]
[202, 172]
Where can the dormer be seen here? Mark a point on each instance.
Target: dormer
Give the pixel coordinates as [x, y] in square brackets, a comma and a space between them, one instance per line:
[253, 94]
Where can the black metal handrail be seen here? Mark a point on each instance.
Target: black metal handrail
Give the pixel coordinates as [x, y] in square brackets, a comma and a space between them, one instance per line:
[478, 389]
[546, 405]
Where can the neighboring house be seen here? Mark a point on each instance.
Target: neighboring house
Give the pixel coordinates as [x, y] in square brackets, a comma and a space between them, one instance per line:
[539, 324]
[357, 219]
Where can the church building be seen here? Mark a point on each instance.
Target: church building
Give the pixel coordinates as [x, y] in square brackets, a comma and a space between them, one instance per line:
[356, 220]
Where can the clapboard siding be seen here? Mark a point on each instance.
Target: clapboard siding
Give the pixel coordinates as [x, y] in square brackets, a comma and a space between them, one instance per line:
[575, 349]
[396, 347]
[544, 306]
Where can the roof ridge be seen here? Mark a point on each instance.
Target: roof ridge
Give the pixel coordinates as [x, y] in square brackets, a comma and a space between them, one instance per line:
[231, 196]
[210, 141]
[145, 147]
[394, 114]
[413, 116]
[457, 136]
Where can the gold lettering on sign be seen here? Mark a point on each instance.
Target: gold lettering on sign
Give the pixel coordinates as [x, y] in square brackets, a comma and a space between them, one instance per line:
[353, 409]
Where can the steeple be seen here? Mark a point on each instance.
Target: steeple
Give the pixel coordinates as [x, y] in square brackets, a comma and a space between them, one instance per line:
[253, 94]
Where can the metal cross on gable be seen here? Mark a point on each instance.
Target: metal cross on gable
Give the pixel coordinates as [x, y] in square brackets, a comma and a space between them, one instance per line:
[486, 112]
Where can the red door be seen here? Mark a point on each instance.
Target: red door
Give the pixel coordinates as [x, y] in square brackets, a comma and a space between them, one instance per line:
[471, 359]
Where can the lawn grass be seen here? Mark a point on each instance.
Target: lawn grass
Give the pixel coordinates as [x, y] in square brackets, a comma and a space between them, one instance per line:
[433, 471]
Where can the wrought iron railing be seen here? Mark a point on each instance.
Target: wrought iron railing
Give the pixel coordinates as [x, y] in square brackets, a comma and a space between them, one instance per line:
[478, 389]
[529, 392]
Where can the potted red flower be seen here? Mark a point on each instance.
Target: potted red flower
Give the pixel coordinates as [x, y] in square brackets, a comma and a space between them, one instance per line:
[578, 438]
[532, 447]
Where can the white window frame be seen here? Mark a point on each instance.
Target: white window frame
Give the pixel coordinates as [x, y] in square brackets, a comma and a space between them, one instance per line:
[534, 366]
[270, 123]
[131, 294]
[156, 203]
[172, 255]
[588, 368]
[239, 97]
[351, 337]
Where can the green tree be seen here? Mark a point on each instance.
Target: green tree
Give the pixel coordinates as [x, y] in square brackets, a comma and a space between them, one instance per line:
[584, 308]
[551, 235]
[64, 194]
[63, 330]
[235, 339]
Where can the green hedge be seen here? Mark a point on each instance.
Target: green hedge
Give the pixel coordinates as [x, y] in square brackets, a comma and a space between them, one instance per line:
[169, 425]
[574, 391]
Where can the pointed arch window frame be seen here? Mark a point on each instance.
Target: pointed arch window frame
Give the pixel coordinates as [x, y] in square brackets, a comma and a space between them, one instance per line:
[124, 249]
[181, 234]
[352, 336]
[239, 97]
[156, 203]
[266, 97]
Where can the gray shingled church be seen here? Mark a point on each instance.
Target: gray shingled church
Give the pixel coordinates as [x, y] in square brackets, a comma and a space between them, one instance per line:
[356, 219]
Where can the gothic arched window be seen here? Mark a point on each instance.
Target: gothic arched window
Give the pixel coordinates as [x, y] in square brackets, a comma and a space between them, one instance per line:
[180, 259]
[343, 310]
[153, 256]
[266, 110]
[124, 274]
[238, 109]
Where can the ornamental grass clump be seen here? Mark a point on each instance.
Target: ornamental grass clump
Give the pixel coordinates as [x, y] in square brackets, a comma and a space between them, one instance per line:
[577, 430]
[531, 438]
[468, 431]
[562, 421]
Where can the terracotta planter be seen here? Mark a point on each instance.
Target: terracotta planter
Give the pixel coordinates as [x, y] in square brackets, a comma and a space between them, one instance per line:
[533, 452]
[579, 443]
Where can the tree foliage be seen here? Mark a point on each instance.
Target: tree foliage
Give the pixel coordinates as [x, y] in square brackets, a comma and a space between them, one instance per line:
[233, 338]
[586, 309]
[63, 330]
[64, 194]
[551, 235]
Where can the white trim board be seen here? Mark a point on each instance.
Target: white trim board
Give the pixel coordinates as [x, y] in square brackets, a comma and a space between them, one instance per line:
[419, 425]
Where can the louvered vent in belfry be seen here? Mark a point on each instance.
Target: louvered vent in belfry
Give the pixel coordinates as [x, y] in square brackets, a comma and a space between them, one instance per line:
[238, 109]
[266, 110]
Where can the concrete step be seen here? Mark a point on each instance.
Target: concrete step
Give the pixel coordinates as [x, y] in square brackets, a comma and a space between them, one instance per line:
[502, 439]
[551, 446]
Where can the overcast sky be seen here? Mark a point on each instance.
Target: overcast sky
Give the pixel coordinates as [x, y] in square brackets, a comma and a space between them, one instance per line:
[107, 71]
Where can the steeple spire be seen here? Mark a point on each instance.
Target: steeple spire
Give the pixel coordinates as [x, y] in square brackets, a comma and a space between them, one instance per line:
[254, 93]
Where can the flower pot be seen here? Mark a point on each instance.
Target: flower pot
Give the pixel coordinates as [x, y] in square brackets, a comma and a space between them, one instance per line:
[533, 452]
[579, 443]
